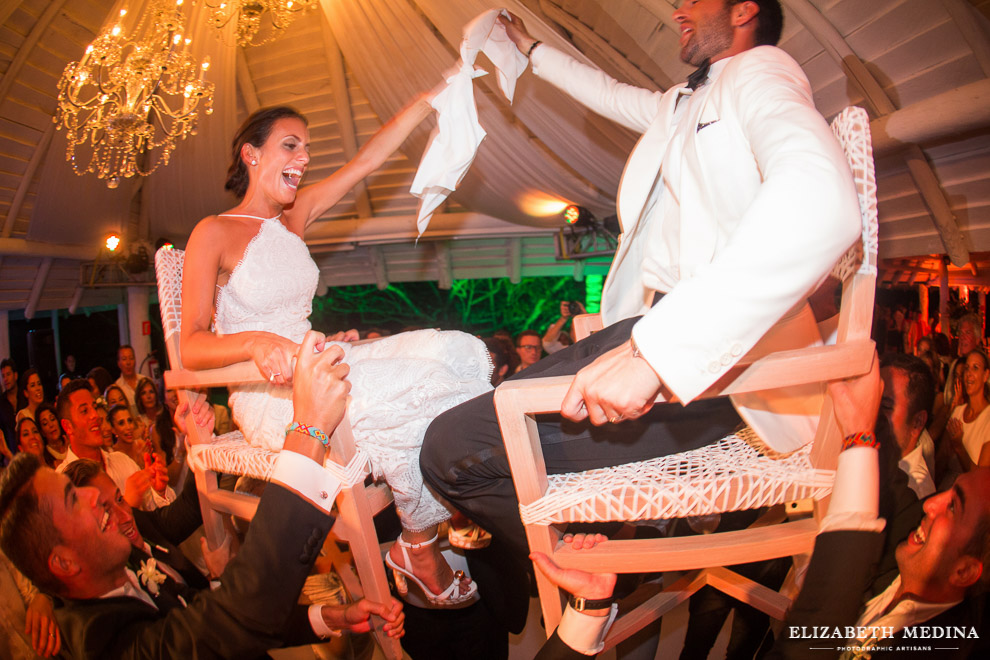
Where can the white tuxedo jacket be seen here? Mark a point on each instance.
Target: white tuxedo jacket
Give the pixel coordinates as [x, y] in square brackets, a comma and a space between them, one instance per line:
[767, 206]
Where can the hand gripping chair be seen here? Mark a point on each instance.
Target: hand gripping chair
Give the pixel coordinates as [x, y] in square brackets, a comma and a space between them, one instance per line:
[731, 474]
[361, 570]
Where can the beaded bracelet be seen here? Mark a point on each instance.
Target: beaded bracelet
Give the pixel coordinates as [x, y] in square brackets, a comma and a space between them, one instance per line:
[529, 53]
[861, 439]
[310, 431]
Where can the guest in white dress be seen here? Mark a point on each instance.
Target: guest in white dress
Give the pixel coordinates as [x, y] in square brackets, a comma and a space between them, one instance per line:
[968, 431]
[247, 293]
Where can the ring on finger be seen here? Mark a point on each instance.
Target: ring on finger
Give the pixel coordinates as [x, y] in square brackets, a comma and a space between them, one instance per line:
[275, 374]
[615, 420]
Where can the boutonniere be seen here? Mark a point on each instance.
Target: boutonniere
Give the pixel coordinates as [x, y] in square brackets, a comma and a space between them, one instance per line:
[150, 576]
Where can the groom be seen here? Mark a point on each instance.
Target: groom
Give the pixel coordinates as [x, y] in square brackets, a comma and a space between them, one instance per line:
[735, 204]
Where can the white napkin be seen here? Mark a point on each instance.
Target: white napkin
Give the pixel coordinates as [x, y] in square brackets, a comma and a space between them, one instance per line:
[455, 143]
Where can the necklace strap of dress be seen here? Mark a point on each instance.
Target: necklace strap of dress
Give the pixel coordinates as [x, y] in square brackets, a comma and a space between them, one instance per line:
[241, 215]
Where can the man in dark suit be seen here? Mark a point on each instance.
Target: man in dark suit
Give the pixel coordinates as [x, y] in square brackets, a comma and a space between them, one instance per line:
[940, 584]
[67, 543]
[155, 533]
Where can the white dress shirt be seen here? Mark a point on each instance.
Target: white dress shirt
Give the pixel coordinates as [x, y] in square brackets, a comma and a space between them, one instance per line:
[119, 467]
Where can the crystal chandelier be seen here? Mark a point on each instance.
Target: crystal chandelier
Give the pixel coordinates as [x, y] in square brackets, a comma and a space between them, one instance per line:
[251, 15]
[130, 98]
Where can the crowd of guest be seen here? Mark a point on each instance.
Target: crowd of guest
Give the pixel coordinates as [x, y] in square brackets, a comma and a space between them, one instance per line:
[126, 440]
[956, 426]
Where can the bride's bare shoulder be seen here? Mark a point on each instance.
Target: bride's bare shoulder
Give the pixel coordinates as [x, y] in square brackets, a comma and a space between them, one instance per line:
[210, 231]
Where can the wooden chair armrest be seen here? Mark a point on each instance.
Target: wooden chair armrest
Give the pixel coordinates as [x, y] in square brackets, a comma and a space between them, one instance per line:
[242, 373]
[583, 325]
[782, 369]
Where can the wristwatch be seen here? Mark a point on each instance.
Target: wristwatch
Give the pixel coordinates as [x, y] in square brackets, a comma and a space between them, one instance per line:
[580, 604]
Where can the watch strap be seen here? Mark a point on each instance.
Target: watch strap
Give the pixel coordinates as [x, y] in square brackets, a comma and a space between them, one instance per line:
[581, 604]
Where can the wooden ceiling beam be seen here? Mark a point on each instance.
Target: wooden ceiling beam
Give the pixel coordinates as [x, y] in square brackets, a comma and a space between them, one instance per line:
[402, 229]
[76, 297]
[950, 113]
[24, 248]
[603, 50]
[663, 10]
[245, 83]
[14, 70]
[342, 104]
[25, 181]
[971, 26]
[38, 287]
[921, 170]
[8, 7]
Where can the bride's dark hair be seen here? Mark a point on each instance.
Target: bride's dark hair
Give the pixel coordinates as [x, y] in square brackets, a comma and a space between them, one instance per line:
[254, 131]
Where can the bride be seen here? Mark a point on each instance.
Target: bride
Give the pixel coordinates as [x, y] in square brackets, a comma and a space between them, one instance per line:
[247, 294]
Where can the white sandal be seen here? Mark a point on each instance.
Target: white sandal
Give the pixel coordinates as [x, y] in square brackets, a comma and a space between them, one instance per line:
[449, 597]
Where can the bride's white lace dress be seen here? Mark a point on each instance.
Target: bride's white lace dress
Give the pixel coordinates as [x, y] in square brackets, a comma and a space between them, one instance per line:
[398, 384]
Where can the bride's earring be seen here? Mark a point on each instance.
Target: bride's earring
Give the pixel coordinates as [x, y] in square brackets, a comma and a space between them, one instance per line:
[254, 162]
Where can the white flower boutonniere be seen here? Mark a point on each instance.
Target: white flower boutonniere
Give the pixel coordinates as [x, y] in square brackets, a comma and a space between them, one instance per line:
[150, 576]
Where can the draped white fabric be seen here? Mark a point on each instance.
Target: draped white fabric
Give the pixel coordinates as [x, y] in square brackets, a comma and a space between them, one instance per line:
[455, 143]
[191, 187]
[507, 163]
[594, 147]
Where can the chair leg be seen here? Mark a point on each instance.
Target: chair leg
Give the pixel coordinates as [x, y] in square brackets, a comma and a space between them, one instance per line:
[213, 528]
[342, 561]
[354, 510]
[544, 538]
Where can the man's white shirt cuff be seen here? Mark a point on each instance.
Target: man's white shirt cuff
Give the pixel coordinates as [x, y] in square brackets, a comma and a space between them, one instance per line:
[307, 478]
[585, 633]
[320, 626]
[855, 493]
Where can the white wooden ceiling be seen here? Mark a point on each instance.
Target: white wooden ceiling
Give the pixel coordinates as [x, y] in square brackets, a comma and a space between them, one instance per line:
[920, 67]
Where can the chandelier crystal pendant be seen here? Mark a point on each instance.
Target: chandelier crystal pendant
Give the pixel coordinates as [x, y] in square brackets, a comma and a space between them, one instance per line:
[131, 98]
[257, 21]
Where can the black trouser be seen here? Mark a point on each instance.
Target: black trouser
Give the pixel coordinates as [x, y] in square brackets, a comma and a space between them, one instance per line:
[463, 458]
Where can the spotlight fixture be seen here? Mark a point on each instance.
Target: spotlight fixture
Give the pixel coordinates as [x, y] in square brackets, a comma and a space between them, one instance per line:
[113, 242]
[137, 261]
[578, 216]
[584, 235]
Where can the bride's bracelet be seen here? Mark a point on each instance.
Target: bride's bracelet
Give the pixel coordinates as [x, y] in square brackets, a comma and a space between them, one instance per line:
[312, 431]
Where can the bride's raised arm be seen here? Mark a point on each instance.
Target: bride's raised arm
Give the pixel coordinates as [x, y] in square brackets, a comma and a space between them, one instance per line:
[201, 347]
[313, 200]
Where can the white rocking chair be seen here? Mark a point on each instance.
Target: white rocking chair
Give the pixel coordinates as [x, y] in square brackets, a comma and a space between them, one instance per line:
[361, 570]
[726, 476]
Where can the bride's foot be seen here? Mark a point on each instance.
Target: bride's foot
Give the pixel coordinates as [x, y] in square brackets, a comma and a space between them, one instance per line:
[423, 564]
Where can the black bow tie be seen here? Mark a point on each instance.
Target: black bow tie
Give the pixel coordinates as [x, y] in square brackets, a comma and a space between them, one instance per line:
[700, 76]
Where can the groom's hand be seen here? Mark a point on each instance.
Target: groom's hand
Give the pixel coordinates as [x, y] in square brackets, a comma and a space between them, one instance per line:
[615, 387]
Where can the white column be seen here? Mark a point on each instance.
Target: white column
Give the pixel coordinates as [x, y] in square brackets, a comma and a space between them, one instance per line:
[137, 316]
[4, 335]
[122, 328]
